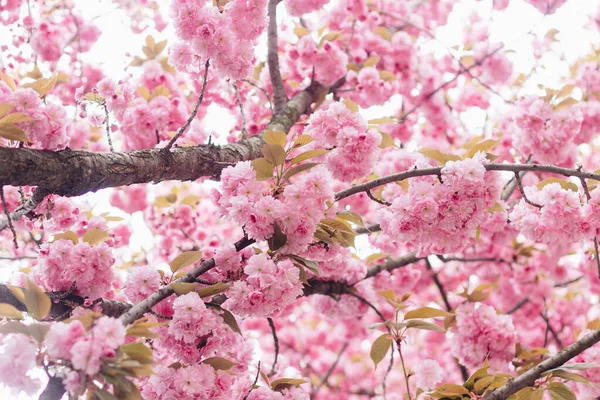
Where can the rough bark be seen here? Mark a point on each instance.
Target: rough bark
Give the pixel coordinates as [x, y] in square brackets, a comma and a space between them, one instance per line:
[74, 172]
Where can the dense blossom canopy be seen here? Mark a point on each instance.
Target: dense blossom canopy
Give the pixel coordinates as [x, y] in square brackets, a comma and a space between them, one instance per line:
[318, 199]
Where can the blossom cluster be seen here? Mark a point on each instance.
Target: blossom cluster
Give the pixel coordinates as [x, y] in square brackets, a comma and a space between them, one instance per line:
[441, 218]
[226, 36]
[46, 122]
[64, 265]
[548, 135]
[355, 147]
[17, 363]
[297, 211]
[269, 287]
[481, 333]
[561, 215]
[297, 8]
[329, 60]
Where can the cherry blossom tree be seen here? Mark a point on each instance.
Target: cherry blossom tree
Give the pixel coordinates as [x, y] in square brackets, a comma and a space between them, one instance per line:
[390, 216]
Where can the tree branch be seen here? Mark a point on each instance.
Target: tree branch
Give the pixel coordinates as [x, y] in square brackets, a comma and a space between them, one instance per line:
[146, 305]
[36, 198]
[529, 377]
[399, 176]
[188, 122]
[54, 389]
[273, 59]
[73, 173]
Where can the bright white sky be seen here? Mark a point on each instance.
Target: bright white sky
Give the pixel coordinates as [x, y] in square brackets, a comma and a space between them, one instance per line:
[508, 26]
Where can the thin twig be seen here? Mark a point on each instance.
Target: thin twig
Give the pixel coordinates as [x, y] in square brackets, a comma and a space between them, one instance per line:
[552, 331]
[588, 197]
[520, 186]
[239, 100]
[276, 343]
[254, 383]
[387, 373]
[368, 303]
[399, 344]
[279, 95]
[8, 218]
[438, 284]
[194, 112]
[375, 199]
[329, 371]
[263, 91]
[36, 198]
[517, 306]
[110, 145]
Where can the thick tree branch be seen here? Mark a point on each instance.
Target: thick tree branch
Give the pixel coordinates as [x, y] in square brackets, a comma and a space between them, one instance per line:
[273, 59]
[63, 303]
[529, 377]
[54, 389]
[73, 173]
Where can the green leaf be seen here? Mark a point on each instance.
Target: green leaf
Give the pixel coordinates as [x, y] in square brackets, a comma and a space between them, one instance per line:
[386, 140]
[299, 168]
[264, 169]
[274, 153]
[380, 347]
[15, 118]
[497, 207]
[219, 363]
[312, 266]
[13, 132]
[185, 260]
[183, 288]
[285, 383]
[307, 155]
[352, 106]
[338, 225]
[137, 351]
[428, 326]
[579, 366]
[570, 376]
[426, 312]
[9, 311]
[483, 383]
[37, 301]
[229, 320]
[303, 140]
[449, 389]
[68, 235]
[559, 391]
[484, 147]
[563, 183]
[439, 156]
[351, 216]
[94, 236]
[275, 137]
[212, 290]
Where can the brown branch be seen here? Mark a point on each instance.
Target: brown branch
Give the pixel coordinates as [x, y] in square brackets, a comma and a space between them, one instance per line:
[146, 305]
[400, 176]
[54, 389]
[522, 190]
[183, 128]
[528, 378]
[64, 302]
[393, 264]
[8, 218]
[241, 106]
[73, 173]
[276, 344]
[517, 306]
[279, 95]
[254, 383]
[36, 198]
[316, 389]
